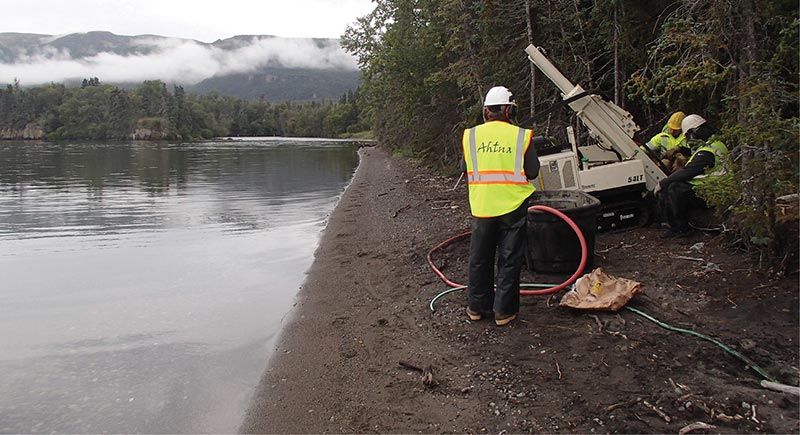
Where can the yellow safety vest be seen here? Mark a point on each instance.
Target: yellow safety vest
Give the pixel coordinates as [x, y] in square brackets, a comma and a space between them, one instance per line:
[663, 142]
[719, 150]
[495, 156]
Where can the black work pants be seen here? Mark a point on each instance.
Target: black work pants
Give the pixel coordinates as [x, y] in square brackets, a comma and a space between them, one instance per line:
[506, 236]
[676, 203]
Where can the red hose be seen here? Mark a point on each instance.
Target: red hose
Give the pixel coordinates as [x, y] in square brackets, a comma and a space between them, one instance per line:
[553, 289]
[436, 248]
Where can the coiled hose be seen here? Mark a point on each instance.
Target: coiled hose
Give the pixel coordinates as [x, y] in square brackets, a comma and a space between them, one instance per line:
[550, 288]
[546, 288]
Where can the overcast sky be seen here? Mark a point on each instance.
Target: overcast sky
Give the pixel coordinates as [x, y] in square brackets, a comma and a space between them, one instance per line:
[203, 20]
[186, 62]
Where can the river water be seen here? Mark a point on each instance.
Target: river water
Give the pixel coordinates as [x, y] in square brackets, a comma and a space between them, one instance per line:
[142, 286]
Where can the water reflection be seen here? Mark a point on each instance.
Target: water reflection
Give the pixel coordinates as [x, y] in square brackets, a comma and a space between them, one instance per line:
[48, 189]
[137, 279]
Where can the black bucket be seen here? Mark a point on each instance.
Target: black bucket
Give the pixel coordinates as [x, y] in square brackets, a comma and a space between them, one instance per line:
[553, 246]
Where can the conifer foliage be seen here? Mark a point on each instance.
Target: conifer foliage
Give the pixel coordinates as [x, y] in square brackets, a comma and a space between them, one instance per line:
[427, 63]
[98, 111]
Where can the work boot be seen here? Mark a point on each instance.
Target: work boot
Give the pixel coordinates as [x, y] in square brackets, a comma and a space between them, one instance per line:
[504, 319]
[474, 316]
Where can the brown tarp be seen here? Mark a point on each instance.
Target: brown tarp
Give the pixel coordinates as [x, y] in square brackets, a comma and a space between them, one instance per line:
[598, 291]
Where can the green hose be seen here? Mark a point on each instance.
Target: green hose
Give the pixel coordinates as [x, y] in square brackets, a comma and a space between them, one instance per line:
[724, 347]
[462, 287]
[733, 352]
[444, 293]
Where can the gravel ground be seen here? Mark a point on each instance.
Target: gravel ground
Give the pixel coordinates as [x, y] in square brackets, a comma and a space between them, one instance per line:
[364, 308]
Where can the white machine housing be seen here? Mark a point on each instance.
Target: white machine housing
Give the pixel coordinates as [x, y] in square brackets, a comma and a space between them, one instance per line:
[561, 171]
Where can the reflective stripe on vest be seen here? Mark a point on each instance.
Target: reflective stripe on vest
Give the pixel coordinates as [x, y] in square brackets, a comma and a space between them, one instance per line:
[663, 142]
[498, 176]
[495, 156]
[719, 150]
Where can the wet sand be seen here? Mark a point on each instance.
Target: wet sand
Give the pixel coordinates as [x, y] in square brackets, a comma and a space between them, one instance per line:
[359, 312]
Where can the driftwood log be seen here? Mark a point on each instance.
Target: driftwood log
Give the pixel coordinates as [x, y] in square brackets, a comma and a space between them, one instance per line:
[780, 387]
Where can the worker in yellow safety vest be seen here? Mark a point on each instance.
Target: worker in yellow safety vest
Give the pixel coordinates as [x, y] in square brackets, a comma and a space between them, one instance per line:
[499, 162]
[677, 193]
[670, 146]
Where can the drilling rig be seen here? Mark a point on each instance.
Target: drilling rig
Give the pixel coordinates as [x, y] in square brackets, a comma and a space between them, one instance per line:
[612, 167]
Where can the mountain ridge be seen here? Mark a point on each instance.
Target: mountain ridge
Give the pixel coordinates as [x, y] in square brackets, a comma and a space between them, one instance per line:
[253, 67]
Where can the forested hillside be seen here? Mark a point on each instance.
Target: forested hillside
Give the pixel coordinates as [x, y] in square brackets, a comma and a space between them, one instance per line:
[150, 111]
[427, 63]
[281, 84]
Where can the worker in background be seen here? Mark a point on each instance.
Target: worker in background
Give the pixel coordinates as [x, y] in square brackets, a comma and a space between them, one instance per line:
[678, 197]
[499, 161]
[670, 146]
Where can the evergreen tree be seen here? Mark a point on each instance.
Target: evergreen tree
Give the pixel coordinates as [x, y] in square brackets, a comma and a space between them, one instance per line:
[427, 63]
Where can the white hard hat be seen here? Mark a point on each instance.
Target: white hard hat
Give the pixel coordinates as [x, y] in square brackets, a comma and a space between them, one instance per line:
[498, 96]
[691, 121]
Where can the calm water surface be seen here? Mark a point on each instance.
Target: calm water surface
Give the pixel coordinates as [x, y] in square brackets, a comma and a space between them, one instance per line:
[142, 285]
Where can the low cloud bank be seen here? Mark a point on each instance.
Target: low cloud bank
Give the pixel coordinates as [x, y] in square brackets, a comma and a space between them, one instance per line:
[178, 61]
